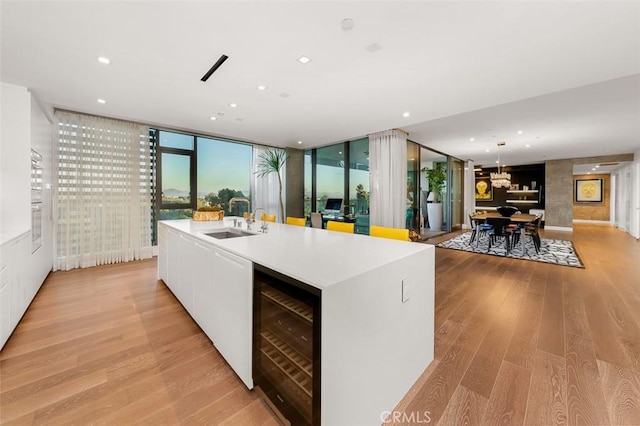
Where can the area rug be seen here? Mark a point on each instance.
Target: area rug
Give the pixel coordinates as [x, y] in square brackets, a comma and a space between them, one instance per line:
[558, 252]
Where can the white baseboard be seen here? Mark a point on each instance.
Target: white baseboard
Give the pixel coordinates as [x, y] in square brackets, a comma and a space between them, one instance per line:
[558, 228]
[593, 222]
[155, 250]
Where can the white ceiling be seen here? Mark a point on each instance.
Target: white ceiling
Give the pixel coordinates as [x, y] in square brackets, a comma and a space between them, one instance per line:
[565, 73]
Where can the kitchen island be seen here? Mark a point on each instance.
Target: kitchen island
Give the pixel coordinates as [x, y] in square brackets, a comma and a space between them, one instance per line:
[377, 304]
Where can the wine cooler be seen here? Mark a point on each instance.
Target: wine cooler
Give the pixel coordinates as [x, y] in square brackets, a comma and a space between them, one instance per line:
[286, 360]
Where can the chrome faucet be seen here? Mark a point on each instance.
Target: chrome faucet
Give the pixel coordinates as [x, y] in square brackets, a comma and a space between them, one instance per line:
[252, 218]
[237, 199]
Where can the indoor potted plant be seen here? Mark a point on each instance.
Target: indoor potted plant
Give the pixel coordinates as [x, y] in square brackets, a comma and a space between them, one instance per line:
[272, 161]
[436, 177]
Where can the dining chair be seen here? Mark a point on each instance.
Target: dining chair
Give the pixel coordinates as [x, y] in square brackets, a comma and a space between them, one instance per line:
[268, 217]
[387, 232]
[333, 225]
[316, 220]
[297, 221]
[478, 228]
[499, 225]
[531, 230]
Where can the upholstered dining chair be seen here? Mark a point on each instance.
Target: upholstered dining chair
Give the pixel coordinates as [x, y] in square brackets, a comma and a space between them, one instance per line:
[478, 228]
[316, 220]
[499, 225]
[297, 221]
[333, 225]
[392, 233]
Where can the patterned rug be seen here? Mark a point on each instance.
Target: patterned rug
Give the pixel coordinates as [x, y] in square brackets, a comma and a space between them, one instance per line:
[559, 252]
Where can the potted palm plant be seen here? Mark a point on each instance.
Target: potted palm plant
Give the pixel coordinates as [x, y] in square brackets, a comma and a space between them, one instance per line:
[436, 177]
[272, 161]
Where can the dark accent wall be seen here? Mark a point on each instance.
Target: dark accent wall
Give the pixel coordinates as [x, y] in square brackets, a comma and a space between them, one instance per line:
[294, 203]
[522, 176]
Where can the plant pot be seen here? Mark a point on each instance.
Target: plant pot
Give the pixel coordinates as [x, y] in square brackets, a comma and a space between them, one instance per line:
[434, 212]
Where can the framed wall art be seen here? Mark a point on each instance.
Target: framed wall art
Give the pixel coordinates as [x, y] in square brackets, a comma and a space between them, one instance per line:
[588, 191]
[484, 191]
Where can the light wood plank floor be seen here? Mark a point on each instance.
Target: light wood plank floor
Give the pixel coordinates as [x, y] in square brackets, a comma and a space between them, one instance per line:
[517, 342]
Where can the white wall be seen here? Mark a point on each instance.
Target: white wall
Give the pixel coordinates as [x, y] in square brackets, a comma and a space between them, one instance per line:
[627, 192]
[15, 159]
[42, 142]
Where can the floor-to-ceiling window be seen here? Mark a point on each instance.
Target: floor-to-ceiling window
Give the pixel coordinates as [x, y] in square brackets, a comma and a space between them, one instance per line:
[197, 171]
[308, 182]
[223, 172]
[330, 174]
[413, 186]
[359, 184]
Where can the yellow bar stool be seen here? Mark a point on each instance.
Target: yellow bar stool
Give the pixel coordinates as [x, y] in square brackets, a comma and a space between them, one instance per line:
[268, 217]
[332, 225]
[392, 233]
[297, 221]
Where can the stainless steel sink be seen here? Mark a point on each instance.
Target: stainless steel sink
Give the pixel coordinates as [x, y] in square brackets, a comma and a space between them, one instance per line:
[225, 233]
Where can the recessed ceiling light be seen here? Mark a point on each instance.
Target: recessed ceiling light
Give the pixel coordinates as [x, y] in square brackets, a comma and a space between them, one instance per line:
[527, 145]
[299, 142]
[519, 132]
[104, 60]
[497, 162]
[262, 87]
[406, 114]
[213, 118]
[597, 166]
[472, 139]
[594, 169]
[487, 150]
[102, 101]
[233, 105]
[304, 59]
[347, 24]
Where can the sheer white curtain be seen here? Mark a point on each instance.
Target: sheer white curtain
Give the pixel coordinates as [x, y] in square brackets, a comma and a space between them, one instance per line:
[388, 178]
[103, 185]
[265, 190]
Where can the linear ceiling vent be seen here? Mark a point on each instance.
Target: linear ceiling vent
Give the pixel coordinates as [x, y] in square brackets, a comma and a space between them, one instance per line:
[214, 67]
[608, 164]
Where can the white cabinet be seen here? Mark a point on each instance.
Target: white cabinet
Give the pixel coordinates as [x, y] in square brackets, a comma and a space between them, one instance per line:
[186, 272]
[16, 288]
[216, 288]
[162, 252]
[173, 261]
[232, 312]
[203, 287]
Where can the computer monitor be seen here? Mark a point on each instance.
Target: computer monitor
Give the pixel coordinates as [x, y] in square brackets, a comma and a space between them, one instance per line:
[333, 205]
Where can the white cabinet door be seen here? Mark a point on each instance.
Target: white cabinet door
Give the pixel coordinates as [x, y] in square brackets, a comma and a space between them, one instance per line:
[203, 286]
[21, 278]
[173, 261]
[187, 250]
[232, 312]
[162, 252]
[5, 304]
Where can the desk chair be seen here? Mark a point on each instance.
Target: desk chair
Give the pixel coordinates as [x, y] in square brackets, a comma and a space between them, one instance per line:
[297, 221]
[392, 233]
[332, 225]
[316, 220]
[268, 217]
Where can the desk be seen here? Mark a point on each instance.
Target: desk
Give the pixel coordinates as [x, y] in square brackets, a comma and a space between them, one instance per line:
[520, 218]
[337, 218]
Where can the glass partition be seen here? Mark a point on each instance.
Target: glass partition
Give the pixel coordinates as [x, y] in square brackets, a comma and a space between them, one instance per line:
[359, 184]
[330, 162]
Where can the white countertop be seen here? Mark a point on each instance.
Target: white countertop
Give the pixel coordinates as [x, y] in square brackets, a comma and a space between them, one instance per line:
[317, 257]
[8, 236]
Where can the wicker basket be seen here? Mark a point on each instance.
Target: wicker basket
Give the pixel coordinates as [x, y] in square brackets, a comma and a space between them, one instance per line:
[204, 216]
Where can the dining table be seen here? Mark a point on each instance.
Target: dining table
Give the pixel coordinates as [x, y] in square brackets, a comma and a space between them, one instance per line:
[518, 218]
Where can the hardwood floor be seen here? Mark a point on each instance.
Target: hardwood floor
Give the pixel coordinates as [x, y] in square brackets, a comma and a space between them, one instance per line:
[523, 343]
[517, 342]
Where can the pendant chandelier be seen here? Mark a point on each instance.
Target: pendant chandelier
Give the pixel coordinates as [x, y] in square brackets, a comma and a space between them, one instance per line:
[500, 179]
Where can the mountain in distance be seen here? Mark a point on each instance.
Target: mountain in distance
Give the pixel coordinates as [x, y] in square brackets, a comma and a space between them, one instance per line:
[172, 192]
